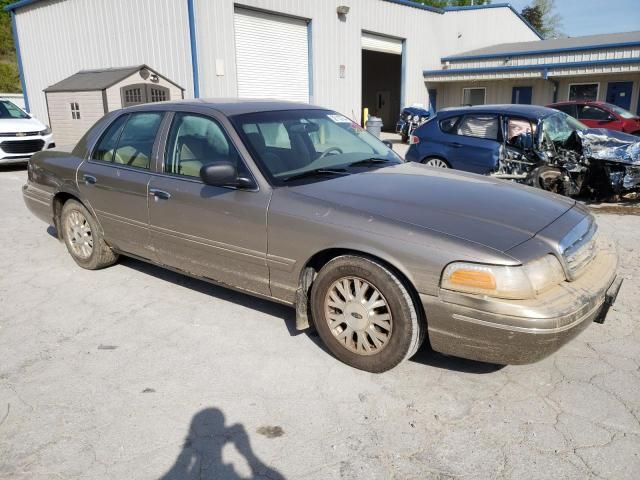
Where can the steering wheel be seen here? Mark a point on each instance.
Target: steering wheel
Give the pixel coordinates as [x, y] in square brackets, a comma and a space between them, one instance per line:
[328, 151]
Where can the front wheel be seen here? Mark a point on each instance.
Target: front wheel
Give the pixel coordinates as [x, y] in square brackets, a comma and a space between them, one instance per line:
[83, 238]
[436, 162]
[364, 314]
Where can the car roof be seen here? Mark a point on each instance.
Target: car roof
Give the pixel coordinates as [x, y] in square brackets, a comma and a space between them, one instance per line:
[533, 111]
[229, 106]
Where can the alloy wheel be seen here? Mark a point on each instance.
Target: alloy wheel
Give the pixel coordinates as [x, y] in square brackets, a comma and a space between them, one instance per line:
[78, 232]
[436, 162]
[358, 315]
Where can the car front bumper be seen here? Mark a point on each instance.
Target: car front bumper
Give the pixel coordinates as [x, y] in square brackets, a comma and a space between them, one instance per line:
[19, 149]
[525, 331]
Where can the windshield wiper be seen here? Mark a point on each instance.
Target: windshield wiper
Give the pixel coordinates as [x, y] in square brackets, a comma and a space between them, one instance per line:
[316, 172]
[369, 161]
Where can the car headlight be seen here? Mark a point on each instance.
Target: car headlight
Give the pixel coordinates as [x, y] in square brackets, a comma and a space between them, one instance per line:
[515, 283]
[44, 132]
[416, 118]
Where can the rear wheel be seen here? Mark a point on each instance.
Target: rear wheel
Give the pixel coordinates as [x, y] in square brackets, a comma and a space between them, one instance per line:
[83, 238]
[436, 162]
[364, 314]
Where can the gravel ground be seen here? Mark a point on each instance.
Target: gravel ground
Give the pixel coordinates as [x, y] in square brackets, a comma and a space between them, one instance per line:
[134, 372]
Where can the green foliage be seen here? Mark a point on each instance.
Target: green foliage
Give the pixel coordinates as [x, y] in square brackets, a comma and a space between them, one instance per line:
[540, 14]
[9, 80]
[6, 38]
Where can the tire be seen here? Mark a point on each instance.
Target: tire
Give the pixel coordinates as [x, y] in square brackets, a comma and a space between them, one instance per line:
[83, 239]
[436, 162]
[549, 179]
[389, 342]
[405, 138]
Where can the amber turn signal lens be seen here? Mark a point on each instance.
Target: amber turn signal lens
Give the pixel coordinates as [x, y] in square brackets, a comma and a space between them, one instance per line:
[474, 278]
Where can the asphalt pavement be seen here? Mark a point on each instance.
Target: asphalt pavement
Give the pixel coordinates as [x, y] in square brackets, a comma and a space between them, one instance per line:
[134, 372]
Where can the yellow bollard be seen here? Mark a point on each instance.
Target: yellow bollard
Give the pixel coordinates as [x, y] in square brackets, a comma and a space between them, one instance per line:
[365, 116]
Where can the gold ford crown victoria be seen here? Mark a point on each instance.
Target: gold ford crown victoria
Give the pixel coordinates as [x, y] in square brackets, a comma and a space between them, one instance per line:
[298, 204]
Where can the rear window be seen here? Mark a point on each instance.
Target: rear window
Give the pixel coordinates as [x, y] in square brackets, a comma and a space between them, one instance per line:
[448, 124]
[479, 126]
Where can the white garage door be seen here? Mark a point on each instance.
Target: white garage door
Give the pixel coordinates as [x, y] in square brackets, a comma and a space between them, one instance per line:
[272, 56]
[379, 43]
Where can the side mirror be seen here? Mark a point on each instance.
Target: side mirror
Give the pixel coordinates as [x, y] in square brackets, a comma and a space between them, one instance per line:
[219, 174]
[224, 174]
[388, 144]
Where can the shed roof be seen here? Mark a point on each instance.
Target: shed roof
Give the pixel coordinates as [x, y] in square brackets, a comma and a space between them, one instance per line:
[100, 79]
[588, 42]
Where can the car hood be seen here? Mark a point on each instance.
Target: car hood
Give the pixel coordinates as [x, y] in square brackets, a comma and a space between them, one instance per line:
[15, 125]
[611, 145]
[479, 209]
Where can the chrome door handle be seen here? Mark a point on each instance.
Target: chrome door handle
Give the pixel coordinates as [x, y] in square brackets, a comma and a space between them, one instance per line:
[89, 179]
[159, 194]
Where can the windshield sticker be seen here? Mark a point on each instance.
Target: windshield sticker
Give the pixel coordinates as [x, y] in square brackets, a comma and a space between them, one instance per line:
[339, 118]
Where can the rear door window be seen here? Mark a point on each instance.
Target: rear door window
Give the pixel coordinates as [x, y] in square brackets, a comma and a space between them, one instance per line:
[485, 126]
[129, 140]
[448, 124]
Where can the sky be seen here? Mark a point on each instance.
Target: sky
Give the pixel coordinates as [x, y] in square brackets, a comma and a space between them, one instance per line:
[591, 17]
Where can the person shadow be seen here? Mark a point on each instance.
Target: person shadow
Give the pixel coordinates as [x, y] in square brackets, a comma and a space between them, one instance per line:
[201, 455]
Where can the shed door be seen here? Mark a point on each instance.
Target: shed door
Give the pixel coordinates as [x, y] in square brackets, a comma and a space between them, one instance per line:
[272, 56]
[143, 93]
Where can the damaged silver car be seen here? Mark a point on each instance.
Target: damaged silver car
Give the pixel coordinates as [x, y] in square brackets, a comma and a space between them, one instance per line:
[533, 145]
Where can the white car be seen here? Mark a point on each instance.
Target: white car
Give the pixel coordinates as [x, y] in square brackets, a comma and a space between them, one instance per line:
[21, 135]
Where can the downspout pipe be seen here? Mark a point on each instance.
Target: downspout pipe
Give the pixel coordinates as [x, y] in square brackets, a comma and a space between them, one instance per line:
[556, 84]
[194, 48]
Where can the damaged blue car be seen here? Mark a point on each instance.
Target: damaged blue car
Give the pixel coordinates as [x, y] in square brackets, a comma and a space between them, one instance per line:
[537, 146]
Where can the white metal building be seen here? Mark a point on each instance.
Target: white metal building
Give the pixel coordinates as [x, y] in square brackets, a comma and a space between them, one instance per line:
[595, 67]
[306, 50]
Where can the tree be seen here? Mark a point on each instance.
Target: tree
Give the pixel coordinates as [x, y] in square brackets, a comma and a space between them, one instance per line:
[540, 14]
[452, 3]
[9, 80]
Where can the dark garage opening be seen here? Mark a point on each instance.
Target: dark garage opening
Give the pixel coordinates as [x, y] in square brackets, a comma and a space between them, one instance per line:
[381, 84]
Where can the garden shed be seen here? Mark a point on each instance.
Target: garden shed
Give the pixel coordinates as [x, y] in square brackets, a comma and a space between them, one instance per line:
[77, 102]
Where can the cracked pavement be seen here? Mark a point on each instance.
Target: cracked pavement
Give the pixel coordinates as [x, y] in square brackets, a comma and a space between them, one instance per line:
[139, 373]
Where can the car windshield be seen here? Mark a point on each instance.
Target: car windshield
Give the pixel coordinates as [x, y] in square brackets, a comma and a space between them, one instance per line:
[620, 111]
[559, 126]
[9, 110]
[310, 144]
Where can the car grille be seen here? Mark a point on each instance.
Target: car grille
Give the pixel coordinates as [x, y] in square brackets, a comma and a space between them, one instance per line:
[20, 134]
[580, 246]
[26, 146]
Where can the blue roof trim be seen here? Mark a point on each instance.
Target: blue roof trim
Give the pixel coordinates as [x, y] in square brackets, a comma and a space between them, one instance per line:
[16, 43]
[420, 6]
[541, 66]
[194, 48]
[496, 5]
[20, 4]
[601, 46]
